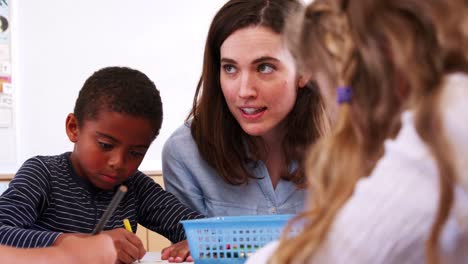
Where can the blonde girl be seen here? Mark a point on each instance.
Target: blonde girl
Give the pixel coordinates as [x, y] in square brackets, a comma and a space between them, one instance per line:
[404, 62]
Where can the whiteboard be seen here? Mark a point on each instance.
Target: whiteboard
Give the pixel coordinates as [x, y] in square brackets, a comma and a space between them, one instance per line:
[57, 44]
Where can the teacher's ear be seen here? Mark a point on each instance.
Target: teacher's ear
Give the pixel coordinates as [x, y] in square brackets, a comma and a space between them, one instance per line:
[303, 80]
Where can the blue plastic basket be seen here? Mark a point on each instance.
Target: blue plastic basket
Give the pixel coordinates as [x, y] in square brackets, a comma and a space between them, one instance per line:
[231, 239]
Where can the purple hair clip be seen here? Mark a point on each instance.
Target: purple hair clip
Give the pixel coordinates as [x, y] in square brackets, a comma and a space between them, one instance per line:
[344, 94]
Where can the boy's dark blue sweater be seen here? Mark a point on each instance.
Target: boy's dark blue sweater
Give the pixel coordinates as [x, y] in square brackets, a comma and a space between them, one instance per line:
[46, 197]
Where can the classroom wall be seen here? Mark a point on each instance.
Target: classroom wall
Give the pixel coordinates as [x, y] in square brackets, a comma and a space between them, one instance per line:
[57, 44]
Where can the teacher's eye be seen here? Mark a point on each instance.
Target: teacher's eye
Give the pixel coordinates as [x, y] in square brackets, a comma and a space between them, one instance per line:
[229, 69]
[105, 146]
[265, 68]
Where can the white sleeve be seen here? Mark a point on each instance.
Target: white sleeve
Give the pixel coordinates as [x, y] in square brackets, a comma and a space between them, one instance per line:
[385, 221]
[263, 255]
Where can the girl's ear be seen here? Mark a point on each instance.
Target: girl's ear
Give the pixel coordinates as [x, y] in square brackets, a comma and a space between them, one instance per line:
[71, 127]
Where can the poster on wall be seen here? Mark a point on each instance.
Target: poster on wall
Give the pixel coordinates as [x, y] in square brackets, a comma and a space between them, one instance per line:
[6, 90]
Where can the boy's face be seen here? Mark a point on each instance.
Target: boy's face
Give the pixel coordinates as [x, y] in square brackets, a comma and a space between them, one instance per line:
[110, 148]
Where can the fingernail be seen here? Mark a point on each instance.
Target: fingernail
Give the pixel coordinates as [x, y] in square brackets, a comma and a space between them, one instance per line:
[178, 259]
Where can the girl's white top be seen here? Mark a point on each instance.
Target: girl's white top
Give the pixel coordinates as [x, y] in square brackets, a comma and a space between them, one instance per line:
[390, 214]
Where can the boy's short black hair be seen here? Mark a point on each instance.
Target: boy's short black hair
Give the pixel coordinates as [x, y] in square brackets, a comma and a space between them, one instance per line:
[122, 90]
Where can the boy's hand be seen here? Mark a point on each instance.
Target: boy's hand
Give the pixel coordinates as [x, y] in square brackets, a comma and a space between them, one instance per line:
[179, 252]
[128, 245]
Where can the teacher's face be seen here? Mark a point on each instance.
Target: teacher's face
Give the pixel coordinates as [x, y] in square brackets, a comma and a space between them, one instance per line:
[258, 79]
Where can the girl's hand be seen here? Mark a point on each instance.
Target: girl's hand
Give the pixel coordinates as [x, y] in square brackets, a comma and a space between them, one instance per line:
[95, 249]
[80, 248]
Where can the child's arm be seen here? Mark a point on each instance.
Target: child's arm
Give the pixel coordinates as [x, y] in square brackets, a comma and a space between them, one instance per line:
[159, 210]
[94, 249]
[128, 245]
[21, 204]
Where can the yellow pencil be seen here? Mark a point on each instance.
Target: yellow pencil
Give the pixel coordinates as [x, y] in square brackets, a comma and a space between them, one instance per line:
[127, 225]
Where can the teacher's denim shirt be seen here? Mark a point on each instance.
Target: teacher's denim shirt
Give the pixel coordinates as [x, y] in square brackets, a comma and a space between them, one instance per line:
[198, 185]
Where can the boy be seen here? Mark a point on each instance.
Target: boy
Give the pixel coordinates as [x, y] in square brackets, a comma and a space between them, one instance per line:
[117, 116]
